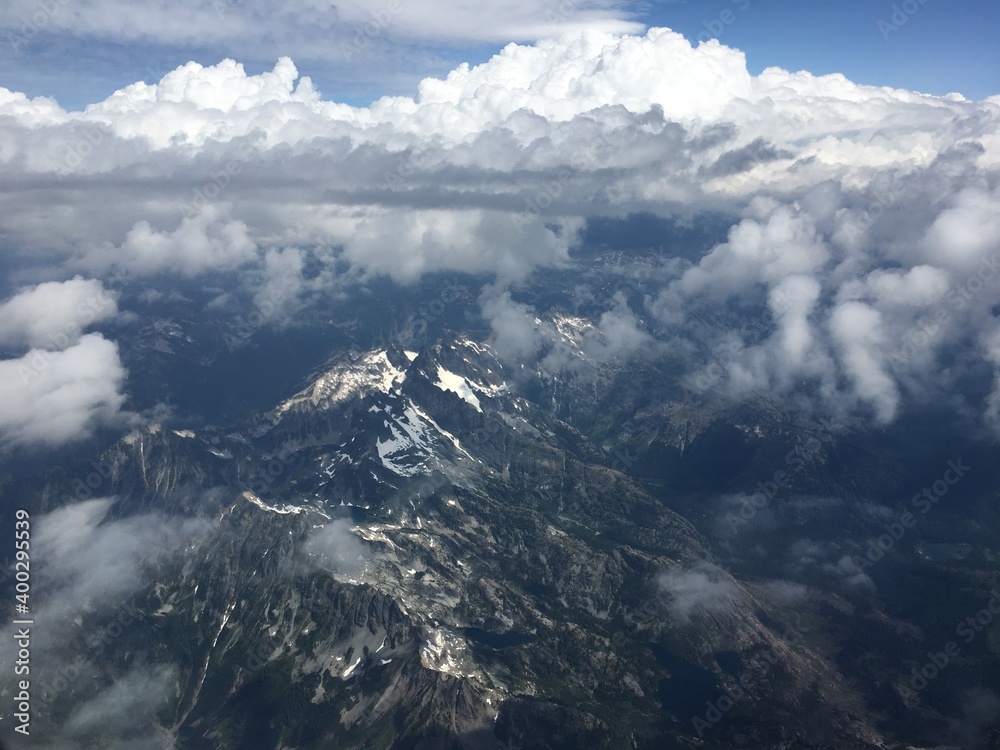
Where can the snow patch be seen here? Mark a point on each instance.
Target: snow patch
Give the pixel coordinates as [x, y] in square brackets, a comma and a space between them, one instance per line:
[283, 510]
[449, 381]
[411, 444]
[347, 672]
[409, 440]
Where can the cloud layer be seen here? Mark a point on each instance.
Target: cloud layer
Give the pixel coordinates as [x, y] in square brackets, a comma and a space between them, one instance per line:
[858, 275]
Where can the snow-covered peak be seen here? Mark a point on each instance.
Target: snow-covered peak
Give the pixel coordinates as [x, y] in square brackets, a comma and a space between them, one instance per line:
[371, 372]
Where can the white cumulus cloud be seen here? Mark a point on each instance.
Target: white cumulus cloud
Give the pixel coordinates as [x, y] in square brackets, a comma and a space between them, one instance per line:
[53, 398]
[863, 221]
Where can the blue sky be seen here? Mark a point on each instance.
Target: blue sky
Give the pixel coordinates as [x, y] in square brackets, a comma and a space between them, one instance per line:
[943, 46]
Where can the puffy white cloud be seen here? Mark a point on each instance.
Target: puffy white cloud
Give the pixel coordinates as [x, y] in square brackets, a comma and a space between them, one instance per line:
[559, 343]
[857, 329]
[557, 80]
[279, 295]
[859, 258]
[920, 286]
[52, 398]
[188, 104]
[764, 251]
[517, 330]
[53, 315]
[618, 332]
[406, 245]
[67, 383]
[965, 232]
[206, 242]
[792, 302]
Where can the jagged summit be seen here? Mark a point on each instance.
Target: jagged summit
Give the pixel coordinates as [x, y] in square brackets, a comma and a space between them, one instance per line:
[427, 543]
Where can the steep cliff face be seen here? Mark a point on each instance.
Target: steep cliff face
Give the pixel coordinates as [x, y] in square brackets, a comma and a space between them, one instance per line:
[409, 552]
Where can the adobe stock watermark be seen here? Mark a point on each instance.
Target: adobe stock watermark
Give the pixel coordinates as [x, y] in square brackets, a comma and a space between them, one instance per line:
[223, 7]
[550, 191]
[39, 21]
[921, 504]
[80, 148]
[259, 479]
[561, 14]
[218, 182]
[257, 657]
[261, 653]
[515, 740]
[167, 738]
[413, 333]
[262, 478]
[767, 491]
[899, 17]
[651, 610]
[967, 630]
[84, 488]
[264, 312]
[127, 615]
[726, 355]
[884, 198]
[375, 26]
[621, 459]
[715, 27]
[155, 73]
[395, 179]
[958, 297]
[716, 710]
